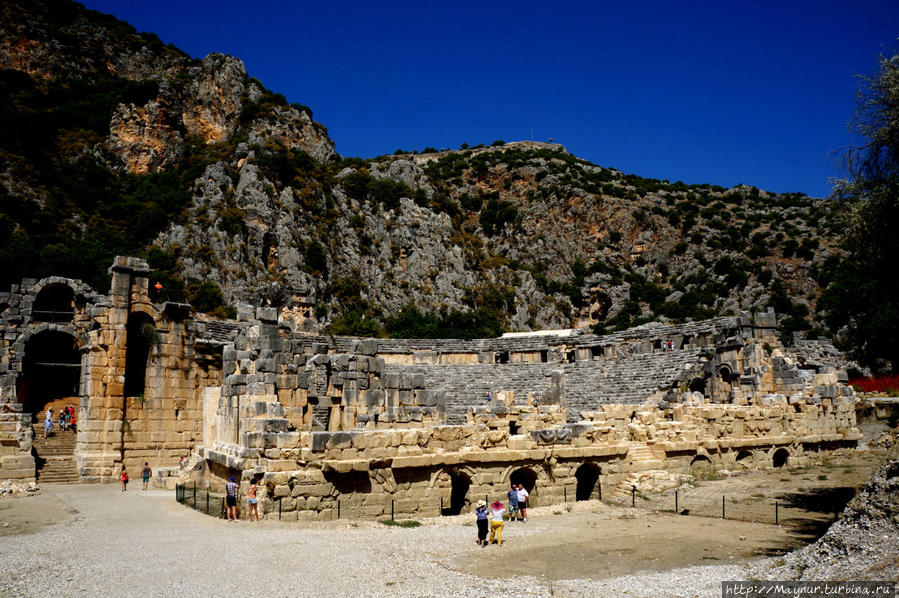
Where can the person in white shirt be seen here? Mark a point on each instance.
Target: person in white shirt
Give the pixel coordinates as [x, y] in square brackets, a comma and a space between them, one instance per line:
[496, 522]
[523, 502]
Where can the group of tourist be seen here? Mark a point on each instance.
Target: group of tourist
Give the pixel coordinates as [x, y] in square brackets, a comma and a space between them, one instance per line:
[66, 419]
[494, 515]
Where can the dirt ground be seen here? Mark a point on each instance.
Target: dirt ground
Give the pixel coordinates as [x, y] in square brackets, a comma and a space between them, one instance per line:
[28, 514]
[597, 541]
[593, 540]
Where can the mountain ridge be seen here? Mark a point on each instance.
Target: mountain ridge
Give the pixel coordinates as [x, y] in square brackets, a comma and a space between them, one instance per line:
[236, 195]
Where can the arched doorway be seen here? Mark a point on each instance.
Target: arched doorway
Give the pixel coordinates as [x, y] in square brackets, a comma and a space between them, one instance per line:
[697, 385]
[139, 340]
[459, 486]
[54, 303]
[51, 373]
[587, 476]
[780, 458]
[744, 459]
[526, 477]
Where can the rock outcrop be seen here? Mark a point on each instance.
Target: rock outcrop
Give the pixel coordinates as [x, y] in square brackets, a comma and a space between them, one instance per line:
[862, 545]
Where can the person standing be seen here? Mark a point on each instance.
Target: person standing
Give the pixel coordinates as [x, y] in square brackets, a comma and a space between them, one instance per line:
[252, 501]
[124, 478]
[513, 502]
[480, 511]
[145, 475]
[523, 496]
[496, 522]
[48, 422]
[231, 499]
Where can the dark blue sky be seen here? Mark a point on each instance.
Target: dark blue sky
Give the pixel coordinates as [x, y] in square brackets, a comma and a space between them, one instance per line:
[721, 92]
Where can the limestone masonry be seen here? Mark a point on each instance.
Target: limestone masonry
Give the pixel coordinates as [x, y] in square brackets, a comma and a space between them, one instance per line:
[409, 427]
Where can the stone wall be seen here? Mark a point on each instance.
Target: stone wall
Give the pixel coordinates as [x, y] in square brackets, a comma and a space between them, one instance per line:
[412, 470]
[159, 419]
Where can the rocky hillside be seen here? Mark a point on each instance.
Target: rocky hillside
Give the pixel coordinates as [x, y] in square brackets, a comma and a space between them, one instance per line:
[863, 544]
[111, 142]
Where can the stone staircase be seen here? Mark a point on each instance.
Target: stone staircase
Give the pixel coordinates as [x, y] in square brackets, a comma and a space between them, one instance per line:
[322, 416]
[55, 456]
[642, 459]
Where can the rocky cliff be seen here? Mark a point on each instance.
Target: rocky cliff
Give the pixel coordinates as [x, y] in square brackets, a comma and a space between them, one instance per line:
[226, 186]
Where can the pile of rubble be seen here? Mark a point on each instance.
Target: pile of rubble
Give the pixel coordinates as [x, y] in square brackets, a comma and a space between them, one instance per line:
[11, 488]
[863, 544]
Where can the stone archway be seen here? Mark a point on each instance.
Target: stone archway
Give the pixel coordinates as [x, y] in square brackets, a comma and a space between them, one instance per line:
[587, 476]
[139, 342]
[460, 483]
[697, 385]
[525, 476]
[51, 371]
[54, 303]
[780, 458]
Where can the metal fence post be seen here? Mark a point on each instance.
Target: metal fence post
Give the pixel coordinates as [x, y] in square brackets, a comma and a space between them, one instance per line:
[776, 514]
[599, 483]
[195, 494]
[675, 500]
[207, 503]
[338, 508]
[565, 493]
[633, 496]
[279, 508]
[391, 508]
[722, 508]
[441, 505]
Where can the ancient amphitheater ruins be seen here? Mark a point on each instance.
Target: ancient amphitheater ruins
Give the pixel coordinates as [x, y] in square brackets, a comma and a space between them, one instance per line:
[415, 426]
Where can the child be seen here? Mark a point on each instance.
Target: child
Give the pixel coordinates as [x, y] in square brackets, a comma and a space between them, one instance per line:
[480, 511]
[496, 522]
[124, 478]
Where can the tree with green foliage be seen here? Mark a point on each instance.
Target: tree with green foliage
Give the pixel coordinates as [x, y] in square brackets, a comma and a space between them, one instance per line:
[862, 294]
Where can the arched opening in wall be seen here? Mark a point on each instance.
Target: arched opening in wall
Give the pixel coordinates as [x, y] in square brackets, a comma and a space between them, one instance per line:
[744, 458]
[141, 337]
[51, 373]
[697, 385]
[595, 352]
[54, 303]
[502, 357]
[459, 485]
[780, 458]
[570, 356]
[726, 374]
[544, 356]
[525, 476]
[587, 476]
[701, 468]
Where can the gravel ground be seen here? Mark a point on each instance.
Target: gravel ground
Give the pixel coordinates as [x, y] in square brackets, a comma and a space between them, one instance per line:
[144, 543]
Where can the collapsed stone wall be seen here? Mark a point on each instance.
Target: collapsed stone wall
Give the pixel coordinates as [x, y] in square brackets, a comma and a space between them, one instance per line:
[416, 472]
[138, 368]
